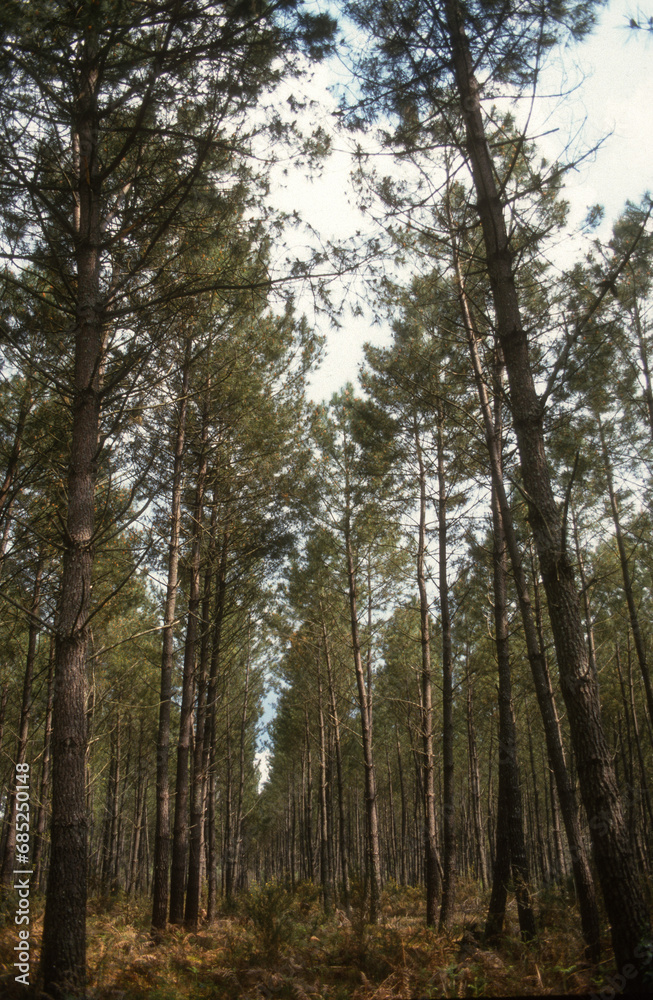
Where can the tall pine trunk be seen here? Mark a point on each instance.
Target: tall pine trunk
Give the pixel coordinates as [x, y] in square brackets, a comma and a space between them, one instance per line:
[449, 794]
[432, 870]
[582, 875]
[39, 831]
[373, 853]
[342, 817]
[622, 892]
[211, 726]
[63, 952]
[162, 829]
[325, 869]
[640, 646]
[180, 829]
[510, 829]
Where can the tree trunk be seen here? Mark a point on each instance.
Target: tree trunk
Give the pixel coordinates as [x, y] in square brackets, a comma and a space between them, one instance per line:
[7, 493]
[510, 798]
[648, 389]
[373, 854]
[449, 793]
[622, 891]
[111, 812]
[139, 812]
[344, 852]
[404, 815]
[325, 873]
[640, 647]
[475, 785]
[308, 803]
[63, 952]
[39, 832]
[180, 828]
[162, 830]
[238, 823]
[198, 788]
[227, 839]
[582, 875]
[432, 871]
[211, 721]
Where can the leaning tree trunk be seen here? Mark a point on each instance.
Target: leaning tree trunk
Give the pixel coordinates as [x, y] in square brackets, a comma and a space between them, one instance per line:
[566, 794]
[622, 892]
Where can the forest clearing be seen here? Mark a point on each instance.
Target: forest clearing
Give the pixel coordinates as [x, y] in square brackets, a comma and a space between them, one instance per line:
[344, 697]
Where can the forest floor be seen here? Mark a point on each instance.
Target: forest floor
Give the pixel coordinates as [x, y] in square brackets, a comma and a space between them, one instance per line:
[278, 945]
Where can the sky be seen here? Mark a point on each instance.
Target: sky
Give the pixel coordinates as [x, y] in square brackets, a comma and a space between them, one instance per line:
[612, 103]
[612, 100]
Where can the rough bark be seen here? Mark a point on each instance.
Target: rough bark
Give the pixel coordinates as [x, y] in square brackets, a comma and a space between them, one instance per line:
[510, 797]
[620, 883]
[537, 661]
[63, 953]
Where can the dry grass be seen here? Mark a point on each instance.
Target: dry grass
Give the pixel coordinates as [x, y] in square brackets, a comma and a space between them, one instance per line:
[335, 959]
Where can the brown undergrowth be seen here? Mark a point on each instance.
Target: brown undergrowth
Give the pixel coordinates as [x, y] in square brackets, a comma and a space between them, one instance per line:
[279, 945]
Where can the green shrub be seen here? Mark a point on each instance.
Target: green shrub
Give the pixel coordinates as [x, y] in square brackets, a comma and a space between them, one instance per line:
[270, 908]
